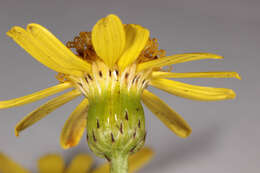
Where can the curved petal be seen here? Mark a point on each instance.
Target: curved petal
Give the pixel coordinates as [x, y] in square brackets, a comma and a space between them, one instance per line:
[168, 116]
[136, 39]
[192, 91]
[74, 126]
[108, 38]
[56, 49]
[7, 165]
[35, 96]
[51, 163]
[160, 74]
[44, 110]
[139, 159]
[80, 164]
[30, 45]
[136, 161]
[176, 59]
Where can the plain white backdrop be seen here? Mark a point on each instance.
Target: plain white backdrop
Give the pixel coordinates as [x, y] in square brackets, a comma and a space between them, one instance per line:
[225, 134]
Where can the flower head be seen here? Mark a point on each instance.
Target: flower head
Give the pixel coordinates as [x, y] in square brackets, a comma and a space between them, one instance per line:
[112, 67]
[53, 163]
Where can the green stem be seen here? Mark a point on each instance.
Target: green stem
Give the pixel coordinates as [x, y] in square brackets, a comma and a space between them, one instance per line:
[119, 163]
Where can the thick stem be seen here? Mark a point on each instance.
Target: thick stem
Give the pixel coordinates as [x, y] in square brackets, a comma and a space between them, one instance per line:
[119, 163]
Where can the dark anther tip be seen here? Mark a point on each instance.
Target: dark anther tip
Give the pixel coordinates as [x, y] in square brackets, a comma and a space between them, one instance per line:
[126, 115]
[98, 124]
[112, 138]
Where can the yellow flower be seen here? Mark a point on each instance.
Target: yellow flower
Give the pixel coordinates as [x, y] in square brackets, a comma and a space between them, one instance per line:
[53, 163]
[112, 67]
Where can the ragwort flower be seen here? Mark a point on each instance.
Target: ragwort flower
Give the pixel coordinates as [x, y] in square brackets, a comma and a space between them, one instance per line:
[112, 67]
[53, 163]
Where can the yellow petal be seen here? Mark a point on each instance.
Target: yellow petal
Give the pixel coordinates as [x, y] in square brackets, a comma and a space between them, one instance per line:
[74, 126]
[168, 116]
[56, 49]
[80, 164]
[35, 96]
[176, 59]
[29, 44]
[139, 159]
[160, 74]
[51, 163]
[136, 39]
[136, 161]
[9, 166]
[108, 38]
[192, 91]
[44, 110]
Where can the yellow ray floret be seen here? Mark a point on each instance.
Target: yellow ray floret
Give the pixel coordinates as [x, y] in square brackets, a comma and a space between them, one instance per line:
[9, 166]
[136, 39]
[108, 38]
[176, 59]
[27, 42]
[168, 116]
[51, 163]
[80, 164]
[160, 74]
[48, 50]
[192, 91]
[75, 126]
[136, 161]
[44, 110]
[56, 48]
[35, 96]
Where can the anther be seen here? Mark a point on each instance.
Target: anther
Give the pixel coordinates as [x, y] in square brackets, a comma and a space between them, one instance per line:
[139, 124]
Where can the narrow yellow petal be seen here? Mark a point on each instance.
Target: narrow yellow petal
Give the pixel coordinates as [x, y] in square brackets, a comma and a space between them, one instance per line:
[51, 163]
[160, 74]
[80, 164]
[56, 49]
[139, 159]
[176, 59]
[29, 44]
[7, 165]
[74, 126]
[192, 91]
[35, 96]
[168, 116]
[44, 110]
[136, 161]
[108, 38]
[136, 39]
